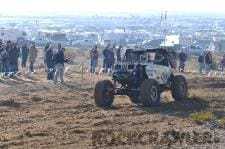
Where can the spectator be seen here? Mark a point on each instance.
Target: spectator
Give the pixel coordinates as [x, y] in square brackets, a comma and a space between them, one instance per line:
[118, 54]
[111, 58]
[182, 59]
[106, 58]
[6, 58]
[32, 56]
[24, 54]
[13, 59]
[49, 58]
[94, 58]
[2, 55]
[59, 60]
[4, 62]
[173, 57]
[45, 49]
[201, 62]
[208, 61]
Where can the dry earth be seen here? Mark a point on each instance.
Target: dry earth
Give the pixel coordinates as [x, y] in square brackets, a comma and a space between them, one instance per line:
[35, 113]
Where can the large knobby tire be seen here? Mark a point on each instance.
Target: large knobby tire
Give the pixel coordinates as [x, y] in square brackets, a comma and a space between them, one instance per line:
[150, 93]
[104, 93]
[179, 88]
[135, 99]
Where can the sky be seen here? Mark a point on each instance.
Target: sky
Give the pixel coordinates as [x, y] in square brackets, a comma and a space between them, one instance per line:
[51, 7]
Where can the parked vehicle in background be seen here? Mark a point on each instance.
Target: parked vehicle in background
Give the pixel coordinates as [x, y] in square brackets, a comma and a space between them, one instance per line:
[220, 64]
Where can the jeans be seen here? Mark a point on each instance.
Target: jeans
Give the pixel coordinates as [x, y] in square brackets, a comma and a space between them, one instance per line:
[59, 72]
[13, 68]
[207, 68]
[181, 66]
[106, 65]
[24, 62]
[31, 66]
[5, 68]
[94, 64]
[201, 67]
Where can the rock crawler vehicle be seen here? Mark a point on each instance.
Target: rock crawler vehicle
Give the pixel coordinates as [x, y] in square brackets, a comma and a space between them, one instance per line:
[142, 75]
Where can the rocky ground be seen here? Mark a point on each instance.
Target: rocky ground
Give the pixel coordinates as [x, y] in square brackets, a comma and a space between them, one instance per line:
[35, 113]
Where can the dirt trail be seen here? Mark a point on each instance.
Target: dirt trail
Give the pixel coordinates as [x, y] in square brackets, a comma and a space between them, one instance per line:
[35, 113]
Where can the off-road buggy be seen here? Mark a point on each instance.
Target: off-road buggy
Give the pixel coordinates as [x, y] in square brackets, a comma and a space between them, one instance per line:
[142, 75]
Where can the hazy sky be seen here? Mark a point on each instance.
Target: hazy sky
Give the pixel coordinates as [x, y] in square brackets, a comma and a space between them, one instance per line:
[30, 7]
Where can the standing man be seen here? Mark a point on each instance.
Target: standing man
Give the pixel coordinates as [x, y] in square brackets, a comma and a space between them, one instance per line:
[106, 58]
[182, 59]
[59, 60]
[208, 61]
[13, 59]
[173, 57]
[49, 62]
[45, 49]
[24, 55]
[94, 58]
[6, 58]
[201, 60]
[32, 56]
[3, 55]
[49, 58]
[111, 58]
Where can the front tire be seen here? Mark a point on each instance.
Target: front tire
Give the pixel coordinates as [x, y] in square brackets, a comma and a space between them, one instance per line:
[104, 93]
[179, 88]
[150, 93]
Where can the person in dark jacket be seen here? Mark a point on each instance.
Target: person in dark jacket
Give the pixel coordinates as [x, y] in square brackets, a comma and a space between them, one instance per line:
[59, 61]
[182, 59]
[106, 58]
[201, 60]
[173, 57]
[208, 61]
[24, 54]
[94, 58]
[6, 58]
[13, 59]
[3, 57]
[49, 58]
[45, 49]
[111, 58]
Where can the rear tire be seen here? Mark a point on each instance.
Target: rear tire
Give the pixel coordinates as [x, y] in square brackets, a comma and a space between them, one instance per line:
[179, 88]
[104, 93]
[150, 93]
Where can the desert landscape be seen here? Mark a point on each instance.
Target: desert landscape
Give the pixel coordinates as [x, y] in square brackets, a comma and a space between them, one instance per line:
[36, 113]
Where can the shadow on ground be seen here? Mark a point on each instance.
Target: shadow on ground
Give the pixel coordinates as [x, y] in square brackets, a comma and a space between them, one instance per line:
[181, 109]
[10, 103]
